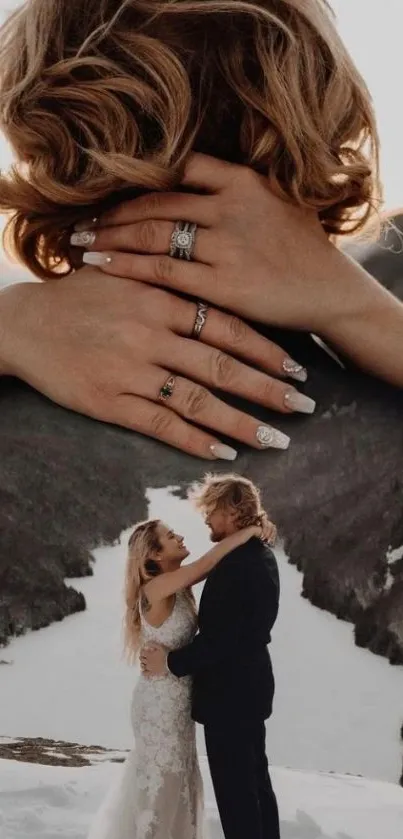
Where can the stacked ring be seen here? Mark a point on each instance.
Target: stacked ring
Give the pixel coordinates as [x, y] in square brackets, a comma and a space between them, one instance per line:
[183, 240]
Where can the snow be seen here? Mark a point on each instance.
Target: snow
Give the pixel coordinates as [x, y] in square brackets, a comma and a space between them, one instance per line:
[337, 707]
[42, 802]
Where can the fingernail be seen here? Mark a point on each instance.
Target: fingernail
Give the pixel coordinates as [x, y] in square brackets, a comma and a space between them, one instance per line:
[86, 224]
[83, 239]
[96, 258]
[223, 452]
[295, 370]
[271, 438]
[297, 401]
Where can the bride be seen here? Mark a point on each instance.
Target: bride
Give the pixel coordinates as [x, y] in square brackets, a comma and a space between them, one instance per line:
[160, 795]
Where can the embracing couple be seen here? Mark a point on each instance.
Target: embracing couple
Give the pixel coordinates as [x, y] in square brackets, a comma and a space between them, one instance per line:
[213, 668]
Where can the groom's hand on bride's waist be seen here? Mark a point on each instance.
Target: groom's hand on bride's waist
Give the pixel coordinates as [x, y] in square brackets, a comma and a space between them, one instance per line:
[153, 660]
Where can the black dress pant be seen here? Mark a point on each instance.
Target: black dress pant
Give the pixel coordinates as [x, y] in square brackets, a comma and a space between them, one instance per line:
[240, 773]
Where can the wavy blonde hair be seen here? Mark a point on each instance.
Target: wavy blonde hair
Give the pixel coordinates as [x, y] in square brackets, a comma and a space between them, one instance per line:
[104, 99]
[141, 566]
[230, 493]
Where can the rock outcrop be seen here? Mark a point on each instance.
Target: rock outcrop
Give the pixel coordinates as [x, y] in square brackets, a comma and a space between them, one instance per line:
[56, 752]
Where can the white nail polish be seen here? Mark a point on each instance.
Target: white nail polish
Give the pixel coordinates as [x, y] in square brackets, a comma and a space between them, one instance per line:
[295, 370]
[84, 239]
[271, 438]
[96, 258]
[223, 452]
[297, 401]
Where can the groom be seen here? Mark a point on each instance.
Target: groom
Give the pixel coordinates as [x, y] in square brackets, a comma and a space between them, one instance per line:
[233, 684]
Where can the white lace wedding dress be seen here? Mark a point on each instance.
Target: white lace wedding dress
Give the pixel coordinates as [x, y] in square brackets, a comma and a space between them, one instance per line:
[160, 792]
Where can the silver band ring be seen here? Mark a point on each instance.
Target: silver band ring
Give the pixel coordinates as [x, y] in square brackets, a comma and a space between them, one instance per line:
[201, 317]
[183, 240]
[167, 389]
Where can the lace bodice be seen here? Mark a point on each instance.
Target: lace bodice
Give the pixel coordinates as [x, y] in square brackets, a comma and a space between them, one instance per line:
[178, 629]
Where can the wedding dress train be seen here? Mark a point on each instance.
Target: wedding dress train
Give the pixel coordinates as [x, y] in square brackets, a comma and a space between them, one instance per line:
[160, 792]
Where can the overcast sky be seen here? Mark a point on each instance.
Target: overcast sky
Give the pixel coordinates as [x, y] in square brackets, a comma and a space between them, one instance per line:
[373, 31]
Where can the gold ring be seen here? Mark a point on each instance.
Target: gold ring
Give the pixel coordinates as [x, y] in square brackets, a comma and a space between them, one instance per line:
[167, 389]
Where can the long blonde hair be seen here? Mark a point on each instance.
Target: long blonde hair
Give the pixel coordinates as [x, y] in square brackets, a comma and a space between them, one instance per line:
[141, 566]
[104, 99]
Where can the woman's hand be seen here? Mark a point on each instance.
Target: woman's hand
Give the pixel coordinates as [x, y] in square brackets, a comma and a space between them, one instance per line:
[269, 532]
[252, 250]
[106, 346]
[265, 530]
[255, 255]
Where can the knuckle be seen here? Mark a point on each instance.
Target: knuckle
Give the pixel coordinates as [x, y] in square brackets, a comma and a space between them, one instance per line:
[164, 269]
[160, 424]
[238, 331]
[102, 388]
[270, 391]
[151, 203]
[194, 401]
[146, 235]
[223, 369]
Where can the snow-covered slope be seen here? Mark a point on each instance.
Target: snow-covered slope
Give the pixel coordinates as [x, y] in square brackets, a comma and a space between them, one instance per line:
[337, 707]
[42, 802]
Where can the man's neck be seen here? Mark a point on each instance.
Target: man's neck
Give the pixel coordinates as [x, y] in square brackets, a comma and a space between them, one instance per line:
[230, 533]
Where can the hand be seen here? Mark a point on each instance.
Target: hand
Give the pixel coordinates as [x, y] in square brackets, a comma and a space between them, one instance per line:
[105, 346]
[266, 530]
[153, 661]
[255, 255]
[269, 532]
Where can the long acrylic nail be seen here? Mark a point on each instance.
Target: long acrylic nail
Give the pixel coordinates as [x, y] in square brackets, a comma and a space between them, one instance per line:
[271, 438]
[296, 401]
[295, 370]
[87, 224]
[96, 258]
[223, 452]
[84, 239]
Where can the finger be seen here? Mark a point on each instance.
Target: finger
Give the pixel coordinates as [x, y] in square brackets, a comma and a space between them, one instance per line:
[221, 371]
[205, 172]
[191, 278]
[168, 206]
[233, 335]
[195, 403]
[161, 423]
[145, 237]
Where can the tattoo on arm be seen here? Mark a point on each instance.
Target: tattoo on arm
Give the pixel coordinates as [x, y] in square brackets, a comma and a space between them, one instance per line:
[145, 604]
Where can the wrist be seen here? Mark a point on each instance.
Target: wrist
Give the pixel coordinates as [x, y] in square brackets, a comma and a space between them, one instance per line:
[14, 319]
[366, 323]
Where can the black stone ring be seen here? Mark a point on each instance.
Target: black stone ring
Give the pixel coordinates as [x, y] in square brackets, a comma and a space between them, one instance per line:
[167, 389]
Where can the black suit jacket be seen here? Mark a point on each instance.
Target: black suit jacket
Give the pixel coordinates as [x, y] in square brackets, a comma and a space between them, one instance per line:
[228, 658]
